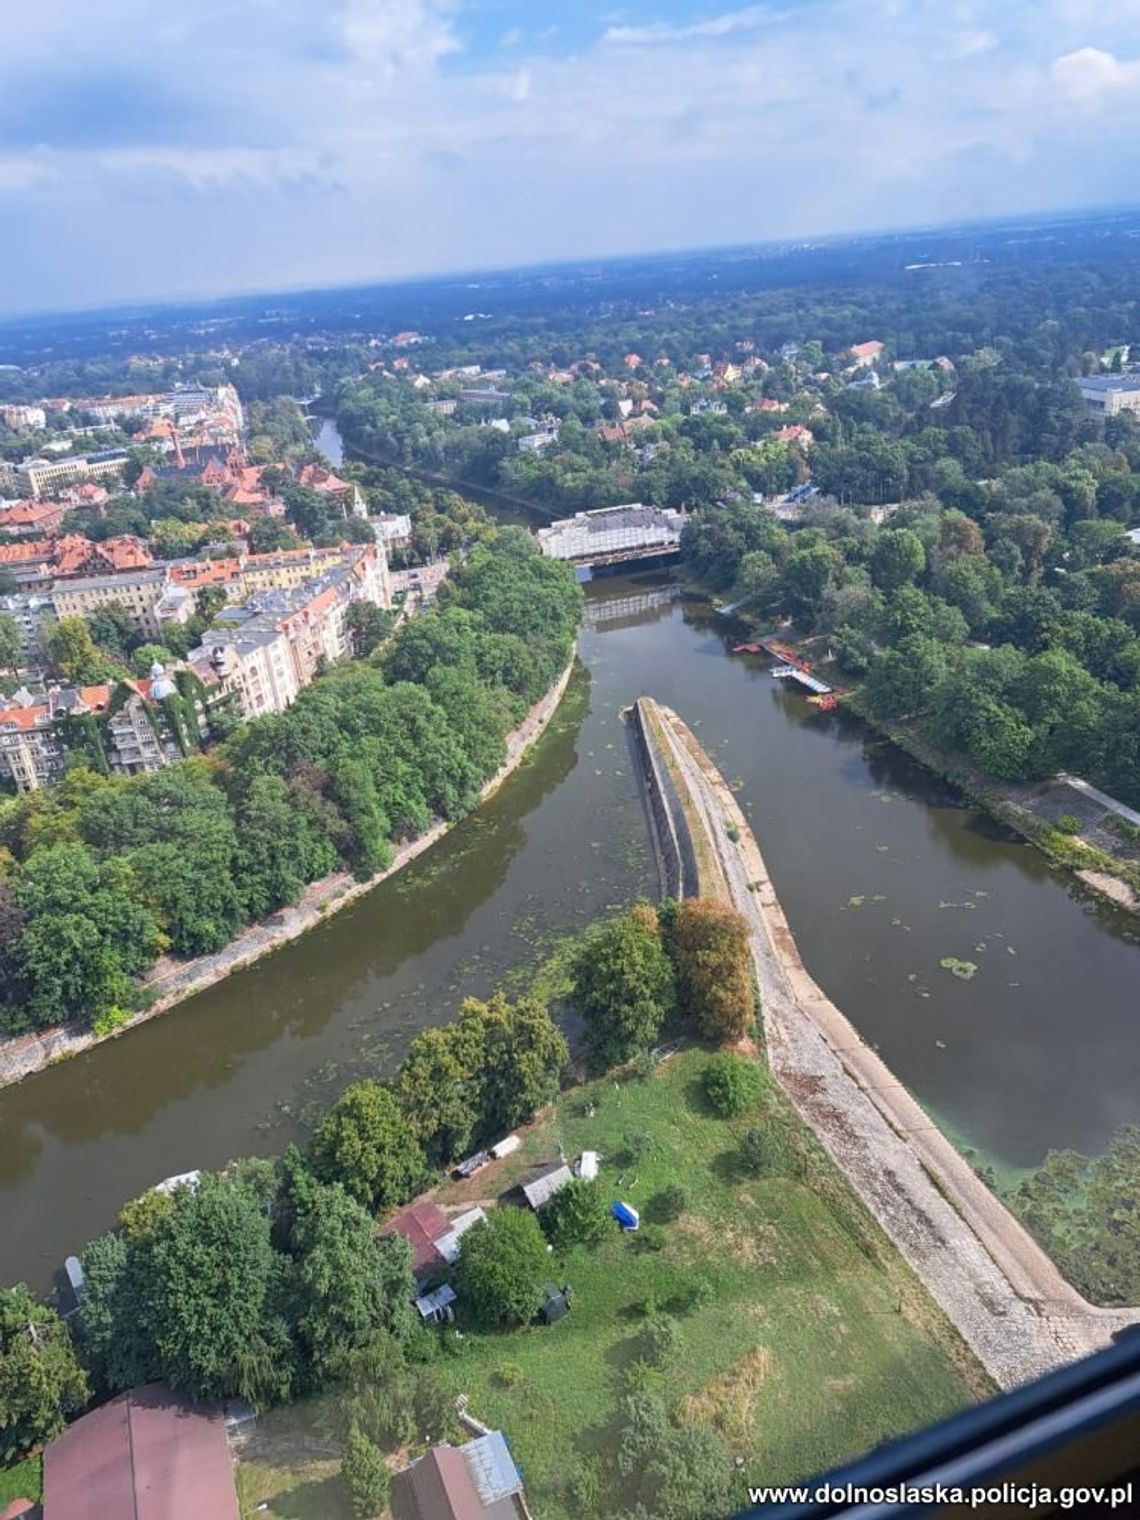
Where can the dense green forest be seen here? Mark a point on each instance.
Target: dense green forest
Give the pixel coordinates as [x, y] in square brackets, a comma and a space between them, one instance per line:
[102, 874]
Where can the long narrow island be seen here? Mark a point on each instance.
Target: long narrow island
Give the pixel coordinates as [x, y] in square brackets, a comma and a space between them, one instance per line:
[995, 1283]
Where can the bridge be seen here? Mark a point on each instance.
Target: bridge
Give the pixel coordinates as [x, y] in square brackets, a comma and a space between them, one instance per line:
[614, 536]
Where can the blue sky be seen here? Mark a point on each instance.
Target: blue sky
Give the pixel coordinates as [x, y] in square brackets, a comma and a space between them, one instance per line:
[151, 150]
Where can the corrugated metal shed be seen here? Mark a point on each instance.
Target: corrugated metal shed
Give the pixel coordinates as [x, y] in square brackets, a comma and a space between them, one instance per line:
[492, 1467]
[543, 1188]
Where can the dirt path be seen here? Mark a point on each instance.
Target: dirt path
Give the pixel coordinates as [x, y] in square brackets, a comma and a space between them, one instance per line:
[994, 1282]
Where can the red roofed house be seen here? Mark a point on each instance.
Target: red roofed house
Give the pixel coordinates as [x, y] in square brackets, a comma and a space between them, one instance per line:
[421, 1225]
[147, 1455]
[795, 434]
[866, 353]
[632, 361]
[476, 1481]
[767, 405]
[31, 517]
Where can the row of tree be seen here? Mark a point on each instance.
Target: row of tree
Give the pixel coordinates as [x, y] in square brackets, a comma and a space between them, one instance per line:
[102, 874]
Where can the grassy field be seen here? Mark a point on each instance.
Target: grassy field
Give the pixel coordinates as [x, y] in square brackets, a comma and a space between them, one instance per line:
[24, 1481]
[817, 1343]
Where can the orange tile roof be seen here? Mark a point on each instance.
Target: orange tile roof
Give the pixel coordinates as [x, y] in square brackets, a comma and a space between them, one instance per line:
[26, 553]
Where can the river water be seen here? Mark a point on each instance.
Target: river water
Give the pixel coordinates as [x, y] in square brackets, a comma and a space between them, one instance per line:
[882, 871]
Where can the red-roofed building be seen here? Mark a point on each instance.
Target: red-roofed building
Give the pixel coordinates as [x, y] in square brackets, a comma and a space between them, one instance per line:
[421, 1225]
[27, 556]
[795, 433]
[866, 353]
[147, 1455]
[767, 405]
[31, 517]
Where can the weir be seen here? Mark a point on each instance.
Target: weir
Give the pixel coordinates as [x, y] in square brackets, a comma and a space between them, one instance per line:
[1004, 1295]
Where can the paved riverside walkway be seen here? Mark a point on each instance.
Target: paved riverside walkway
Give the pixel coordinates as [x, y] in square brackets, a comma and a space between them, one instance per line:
[993, 1281]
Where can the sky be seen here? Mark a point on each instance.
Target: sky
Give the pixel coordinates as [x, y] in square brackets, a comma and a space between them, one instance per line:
[152, 150]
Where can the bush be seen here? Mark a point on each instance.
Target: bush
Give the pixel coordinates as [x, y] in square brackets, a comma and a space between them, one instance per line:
[696, 1293]
[755, 1152]
[364, 1476]
[658, 1339]
[733, 1085]
[667, 1205]
[110, 1019]
[509, 1375]
[502, 1266]
[733, 832]
[1069, 823]
[636, 1145]
[651, 1237]
[578, 1214]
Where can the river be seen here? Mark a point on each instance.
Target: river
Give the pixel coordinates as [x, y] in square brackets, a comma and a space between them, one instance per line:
[882, 871]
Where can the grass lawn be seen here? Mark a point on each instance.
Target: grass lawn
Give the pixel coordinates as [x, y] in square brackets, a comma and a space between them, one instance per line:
[24, 1481]
[281, 1467]
[818, 1342]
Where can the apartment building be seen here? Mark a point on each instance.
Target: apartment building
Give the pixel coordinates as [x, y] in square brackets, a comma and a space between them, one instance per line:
[32, 751]
[139, 591]
[269, 649]
[44, 477]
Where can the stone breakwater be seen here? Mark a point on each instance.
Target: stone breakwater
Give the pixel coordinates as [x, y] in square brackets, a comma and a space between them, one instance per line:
[174, 981]
[993, 1281]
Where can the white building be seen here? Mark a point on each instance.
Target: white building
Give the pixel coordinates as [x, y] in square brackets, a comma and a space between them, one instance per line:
[1107, 395]
[612, 531]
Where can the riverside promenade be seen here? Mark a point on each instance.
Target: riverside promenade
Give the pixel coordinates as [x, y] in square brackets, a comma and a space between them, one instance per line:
[1004, 1295]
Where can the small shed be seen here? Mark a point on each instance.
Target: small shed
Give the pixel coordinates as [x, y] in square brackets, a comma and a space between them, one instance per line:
[506, 1147]
[626, 1215]
[588, 1165]
[556, 1305]
[435, 1307]
[448, 1245]
[543, 1188]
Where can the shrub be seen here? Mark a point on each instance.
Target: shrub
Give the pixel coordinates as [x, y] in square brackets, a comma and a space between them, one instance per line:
[509, 1375]
[696, 1293]
[636, 1145]
[578, 1214]
[658, 1339]
[110, 1019]
[733, 1085]
[364, 1476]
[733, 832]
[651, 1237]
[755, 1152]
[1069, 823]
[667, 1205]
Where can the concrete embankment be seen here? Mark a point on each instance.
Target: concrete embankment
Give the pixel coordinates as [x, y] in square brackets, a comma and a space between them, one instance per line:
[994, 1282]
[172, 981]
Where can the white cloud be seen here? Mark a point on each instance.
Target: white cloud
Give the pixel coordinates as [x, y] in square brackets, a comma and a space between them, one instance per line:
[969, 43]
[1090, 75]
[664, 32]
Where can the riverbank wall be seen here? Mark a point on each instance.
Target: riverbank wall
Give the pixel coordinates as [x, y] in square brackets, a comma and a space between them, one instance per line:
[673, 870]
[171, 982]
[1006, 1298]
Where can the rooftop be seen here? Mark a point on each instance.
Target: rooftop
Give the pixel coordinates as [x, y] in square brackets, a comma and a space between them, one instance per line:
[1108, 383]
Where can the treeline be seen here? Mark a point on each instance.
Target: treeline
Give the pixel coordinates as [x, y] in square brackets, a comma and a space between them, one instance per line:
[1011, 636]
[101, 875]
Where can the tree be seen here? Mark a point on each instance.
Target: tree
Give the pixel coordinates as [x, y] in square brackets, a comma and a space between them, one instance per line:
[11, 644]
[365, 1143]
[625, 987]
[898, 558]
[714, 968]
[364, 1475]
[523, 1057]
[369, 625]
[349, 1283]
[71, 651]
[733, 1085]
[439, 1088]
[207, 1282]
[42, 1384]
[578, 1214]
[113, 629]
[502, 1267]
